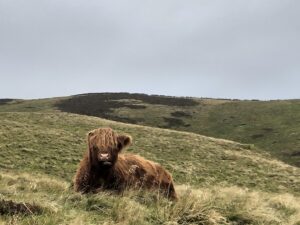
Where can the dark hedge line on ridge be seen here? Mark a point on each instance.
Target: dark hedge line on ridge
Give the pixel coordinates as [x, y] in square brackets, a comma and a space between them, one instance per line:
[102, 104]
[3, 101]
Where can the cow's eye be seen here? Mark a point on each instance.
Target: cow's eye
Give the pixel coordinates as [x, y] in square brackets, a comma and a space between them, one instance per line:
[119, 146]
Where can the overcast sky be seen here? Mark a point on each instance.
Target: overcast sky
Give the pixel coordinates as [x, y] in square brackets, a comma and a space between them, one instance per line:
[247, 49]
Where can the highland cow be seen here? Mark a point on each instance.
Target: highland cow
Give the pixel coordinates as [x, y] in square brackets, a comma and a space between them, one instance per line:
[104, 168]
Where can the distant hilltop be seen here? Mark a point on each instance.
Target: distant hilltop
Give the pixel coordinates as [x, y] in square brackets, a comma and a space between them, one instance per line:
[271, 125]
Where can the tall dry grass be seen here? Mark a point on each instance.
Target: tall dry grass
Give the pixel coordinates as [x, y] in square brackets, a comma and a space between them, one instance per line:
[207, 206]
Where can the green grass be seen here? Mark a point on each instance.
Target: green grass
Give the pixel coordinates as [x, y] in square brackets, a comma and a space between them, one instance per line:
[273, 126]
[218, 181]
[37, 105]
[53, 143]
[213, 206]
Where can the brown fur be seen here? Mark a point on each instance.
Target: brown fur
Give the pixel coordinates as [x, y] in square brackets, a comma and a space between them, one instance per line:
[118, 171]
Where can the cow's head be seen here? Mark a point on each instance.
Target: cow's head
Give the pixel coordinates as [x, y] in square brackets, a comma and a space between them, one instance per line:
[104, 146]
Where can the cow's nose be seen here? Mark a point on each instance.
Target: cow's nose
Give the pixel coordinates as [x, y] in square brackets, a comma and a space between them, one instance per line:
[104, 156]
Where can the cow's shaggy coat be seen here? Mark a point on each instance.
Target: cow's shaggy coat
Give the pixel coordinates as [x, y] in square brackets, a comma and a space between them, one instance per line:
[104, 168]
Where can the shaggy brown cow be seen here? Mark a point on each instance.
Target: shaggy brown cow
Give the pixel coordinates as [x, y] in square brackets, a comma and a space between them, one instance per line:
[104, 168]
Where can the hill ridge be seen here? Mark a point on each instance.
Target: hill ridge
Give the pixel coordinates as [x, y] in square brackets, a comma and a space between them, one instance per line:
[270, 125]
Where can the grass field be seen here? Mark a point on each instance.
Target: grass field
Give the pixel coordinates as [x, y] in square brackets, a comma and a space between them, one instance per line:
[57, 204]
[273, 126]
[218, 181]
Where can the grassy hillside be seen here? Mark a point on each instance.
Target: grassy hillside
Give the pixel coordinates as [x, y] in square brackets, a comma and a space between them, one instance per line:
[273, 126]
[219, 181]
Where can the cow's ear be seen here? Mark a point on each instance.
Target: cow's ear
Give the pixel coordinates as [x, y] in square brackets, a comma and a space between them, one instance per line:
[123, 141]
[89, 135]
[89, 151]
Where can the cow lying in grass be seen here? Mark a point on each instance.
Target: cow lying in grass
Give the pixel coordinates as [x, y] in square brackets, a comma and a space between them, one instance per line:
[103, 167]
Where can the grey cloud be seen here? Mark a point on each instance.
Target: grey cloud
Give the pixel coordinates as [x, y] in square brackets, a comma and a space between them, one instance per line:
[209, 48]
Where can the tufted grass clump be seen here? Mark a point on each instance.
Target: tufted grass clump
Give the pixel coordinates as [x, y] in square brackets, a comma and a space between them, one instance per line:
[208, 206]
